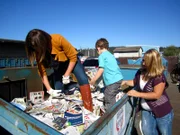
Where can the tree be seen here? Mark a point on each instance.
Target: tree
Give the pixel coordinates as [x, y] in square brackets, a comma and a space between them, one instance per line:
[171, 51]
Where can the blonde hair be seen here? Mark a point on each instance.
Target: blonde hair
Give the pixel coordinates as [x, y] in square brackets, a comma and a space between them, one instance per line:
[153, 64]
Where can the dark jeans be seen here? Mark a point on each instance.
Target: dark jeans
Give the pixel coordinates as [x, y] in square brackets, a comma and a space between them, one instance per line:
[78, 71]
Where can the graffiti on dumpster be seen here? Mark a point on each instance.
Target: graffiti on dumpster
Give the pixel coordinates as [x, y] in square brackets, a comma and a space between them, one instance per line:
[120, 121]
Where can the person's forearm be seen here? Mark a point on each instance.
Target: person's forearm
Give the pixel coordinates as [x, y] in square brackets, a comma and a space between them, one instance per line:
[128, 82]
[98, 74]
[70, 68]
[150, 95]
[145, 95]
[46, 82]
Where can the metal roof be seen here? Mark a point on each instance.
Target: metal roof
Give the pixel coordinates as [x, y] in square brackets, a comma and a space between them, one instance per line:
[127, 49]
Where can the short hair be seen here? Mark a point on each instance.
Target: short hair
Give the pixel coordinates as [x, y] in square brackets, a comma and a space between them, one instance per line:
[102, 43]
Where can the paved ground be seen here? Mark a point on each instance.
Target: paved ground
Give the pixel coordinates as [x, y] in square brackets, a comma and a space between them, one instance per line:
[174, 96]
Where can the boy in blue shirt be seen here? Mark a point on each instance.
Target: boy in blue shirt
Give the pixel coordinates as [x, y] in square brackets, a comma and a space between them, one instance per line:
[110, 71]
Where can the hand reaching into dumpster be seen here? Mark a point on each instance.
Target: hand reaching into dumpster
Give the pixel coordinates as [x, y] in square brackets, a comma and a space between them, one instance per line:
[54, 93]
[126, 84]
[133, 93]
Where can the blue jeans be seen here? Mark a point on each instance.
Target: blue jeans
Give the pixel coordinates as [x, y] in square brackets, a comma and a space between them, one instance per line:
[155, 126]
[78, 71]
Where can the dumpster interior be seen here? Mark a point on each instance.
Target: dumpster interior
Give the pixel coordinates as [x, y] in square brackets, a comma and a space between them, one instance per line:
[12, 89]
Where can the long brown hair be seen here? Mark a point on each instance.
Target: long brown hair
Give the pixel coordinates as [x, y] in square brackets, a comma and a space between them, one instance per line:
[153, 64]
[37, 45]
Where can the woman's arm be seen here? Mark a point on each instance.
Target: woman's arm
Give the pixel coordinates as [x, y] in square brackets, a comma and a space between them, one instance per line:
[52, 92]
[46, 82]
[156, 94]
[128, 82]
[71, 54]
[43, 75]
[69, 69]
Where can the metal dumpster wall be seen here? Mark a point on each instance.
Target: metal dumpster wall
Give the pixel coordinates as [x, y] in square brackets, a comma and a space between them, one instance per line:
[115, 121]
[12, 89]
[33, 81]
[129, 73]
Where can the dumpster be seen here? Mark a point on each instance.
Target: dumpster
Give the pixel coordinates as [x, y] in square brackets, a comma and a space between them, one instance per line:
[118, 120]
[115, 121]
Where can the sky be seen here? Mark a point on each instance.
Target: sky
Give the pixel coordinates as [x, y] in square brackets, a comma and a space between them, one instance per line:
[83, 22]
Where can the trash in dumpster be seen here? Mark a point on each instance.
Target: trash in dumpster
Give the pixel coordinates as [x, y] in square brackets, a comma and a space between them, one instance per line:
[74, 118]
[66, 113]
[59, 122]
[19, 103]
[99, 83]
[68, 110]
[36, 97]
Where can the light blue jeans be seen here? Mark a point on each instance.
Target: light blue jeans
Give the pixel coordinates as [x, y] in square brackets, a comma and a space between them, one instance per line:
[155, 126]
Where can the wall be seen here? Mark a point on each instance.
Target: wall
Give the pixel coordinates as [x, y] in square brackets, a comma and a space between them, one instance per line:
[134, 54]
[33, 80]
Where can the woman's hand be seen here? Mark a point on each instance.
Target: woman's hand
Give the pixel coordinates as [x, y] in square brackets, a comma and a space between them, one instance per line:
[128, 83]
[54, 93]
[123, 83]
[65, 79]
[156, 94]
[133, 93]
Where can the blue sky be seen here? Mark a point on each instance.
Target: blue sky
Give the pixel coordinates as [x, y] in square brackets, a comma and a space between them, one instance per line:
[82, 22]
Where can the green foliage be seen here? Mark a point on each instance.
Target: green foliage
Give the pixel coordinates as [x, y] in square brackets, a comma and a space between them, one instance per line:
[171, 51]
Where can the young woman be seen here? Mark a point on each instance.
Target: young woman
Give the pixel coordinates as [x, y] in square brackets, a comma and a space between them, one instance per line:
[54, 51]
[157, 113]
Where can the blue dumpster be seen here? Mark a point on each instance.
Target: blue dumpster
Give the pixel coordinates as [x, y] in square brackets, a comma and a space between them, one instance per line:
[118, 120]
[115, 121]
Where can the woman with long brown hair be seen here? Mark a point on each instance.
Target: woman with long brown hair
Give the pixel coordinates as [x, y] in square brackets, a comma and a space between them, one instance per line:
[54, 51]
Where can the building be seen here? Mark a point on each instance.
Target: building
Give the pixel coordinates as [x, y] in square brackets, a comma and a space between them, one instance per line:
[146, 47]
[135, 51]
